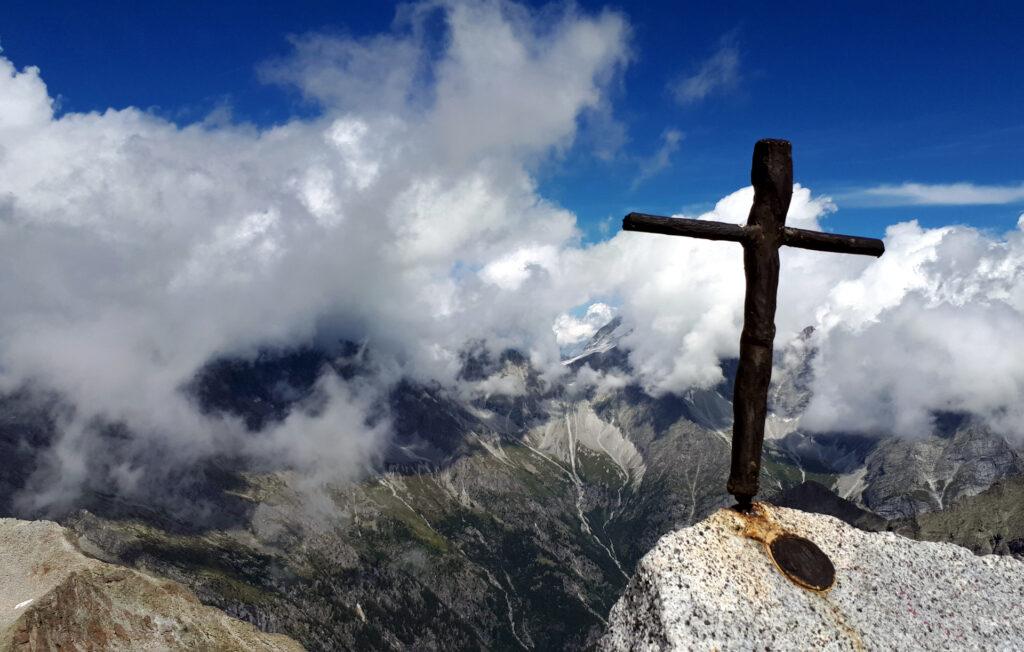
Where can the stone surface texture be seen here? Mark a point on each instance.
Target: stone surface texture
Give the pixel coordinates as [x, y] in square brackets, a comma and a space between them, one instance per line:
[711, 587]
[52, 597]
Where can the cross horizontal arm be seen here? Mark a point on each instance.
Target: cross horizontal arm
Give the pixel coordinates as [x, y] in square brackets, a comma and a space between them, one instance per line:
[682, 226]
[842, 244]
[708, 230]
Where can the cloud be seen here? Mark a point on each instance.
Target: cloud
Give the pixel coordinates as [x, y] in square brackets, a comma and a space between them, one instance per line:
[683, 297]
[601, 382]
[378, 73]
[932, 326]
[720, 73]
[574, 330]
[404, 215]
[952, 194]
[134, 250]
[661, 159]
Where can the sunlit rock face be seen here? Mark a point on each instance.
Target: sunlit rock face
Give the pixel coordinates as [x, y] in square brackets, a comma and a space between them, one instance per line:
[711, 587]
[52, 597]
[907, 477]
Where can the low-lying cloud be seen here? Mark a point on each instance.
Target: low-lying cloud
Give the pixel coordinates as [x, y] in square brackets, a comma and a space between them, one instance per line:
[932, 326]
[407, 218]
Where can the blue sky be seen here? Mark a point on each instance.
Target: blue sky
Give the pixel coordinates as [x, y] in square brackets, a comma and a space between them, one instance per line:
[871, 94]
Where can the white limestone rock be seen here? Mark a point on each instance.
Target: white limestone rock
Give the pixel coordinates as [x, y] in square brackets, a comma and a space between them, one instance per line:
[710, 587]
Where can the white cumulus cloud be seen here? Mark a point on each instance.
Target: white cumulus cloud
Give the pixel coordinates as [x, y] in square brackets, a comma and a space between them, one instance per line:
[407, 216]
[133, 249]
[573, 330]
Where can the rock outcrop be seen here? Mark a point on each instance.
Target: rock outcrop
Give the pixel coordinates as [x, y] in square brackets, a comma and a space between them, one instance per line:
[814, 497]
[710, 586]
[991, 522]
[52, 597]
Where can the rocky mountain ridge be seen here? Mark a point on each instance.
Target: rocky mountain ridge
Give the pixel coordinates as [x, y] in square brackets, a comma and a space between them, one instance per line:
[493, 520]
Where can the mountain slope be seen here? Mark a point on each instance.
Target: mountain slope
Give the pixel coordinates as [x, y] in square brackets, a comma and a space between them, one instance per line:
[986, 523]
[56, 598]
[493, 519]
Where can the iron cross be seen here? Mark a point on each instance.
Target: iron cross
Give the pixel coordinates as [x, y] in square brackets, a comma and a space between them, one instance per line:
[765, 231]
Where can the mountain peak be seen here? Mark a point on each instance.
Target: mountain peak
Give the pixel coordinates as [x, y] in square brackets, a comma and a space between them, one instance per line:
[604, 340]
[711, 587]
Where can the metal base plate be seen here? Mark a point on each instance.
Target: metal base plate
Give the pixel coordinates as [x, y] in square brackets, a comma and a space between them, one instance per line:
[803, 562]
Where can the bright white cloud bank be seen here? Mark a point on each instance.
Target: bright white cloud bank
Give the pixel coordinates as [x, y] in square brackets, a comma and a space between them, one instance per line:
[407, 217]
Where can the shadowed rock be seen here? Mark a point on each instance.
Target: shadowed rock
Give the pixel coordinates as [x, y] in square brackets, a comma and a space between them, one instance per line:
[814, 497]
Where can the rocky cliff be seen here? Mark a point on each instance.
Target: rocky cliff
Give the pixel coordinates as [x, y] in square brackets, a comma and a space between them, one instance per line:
[712, 586]
[52, 597]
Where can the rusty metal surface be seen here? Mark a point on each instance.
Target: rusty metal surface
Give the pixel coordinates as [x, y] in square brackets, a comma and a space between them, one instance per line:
[799, 559]
[802, 562]
[772, 177]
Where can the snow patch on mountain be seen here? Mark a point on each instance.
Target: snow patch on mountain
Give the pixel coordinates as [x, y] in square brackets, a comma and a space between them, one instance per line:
[604, 340]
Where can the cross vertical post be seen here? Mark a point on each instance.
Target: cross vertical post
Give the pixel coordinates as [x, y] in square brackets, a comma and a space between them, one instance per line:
[772, 176]
[765, 231]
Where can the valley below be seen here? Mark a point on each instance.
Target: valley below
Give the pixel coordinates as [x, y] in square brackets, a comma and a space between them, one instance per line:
[501, 521]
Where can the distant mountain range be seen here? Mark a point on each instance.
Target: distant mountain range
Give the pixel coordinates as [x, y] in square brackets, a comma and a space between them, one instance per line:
[503, 520]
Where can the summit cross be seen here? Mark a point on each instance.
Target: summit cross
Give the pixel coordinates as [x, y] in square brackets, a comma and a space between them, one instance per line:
[761, 237]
